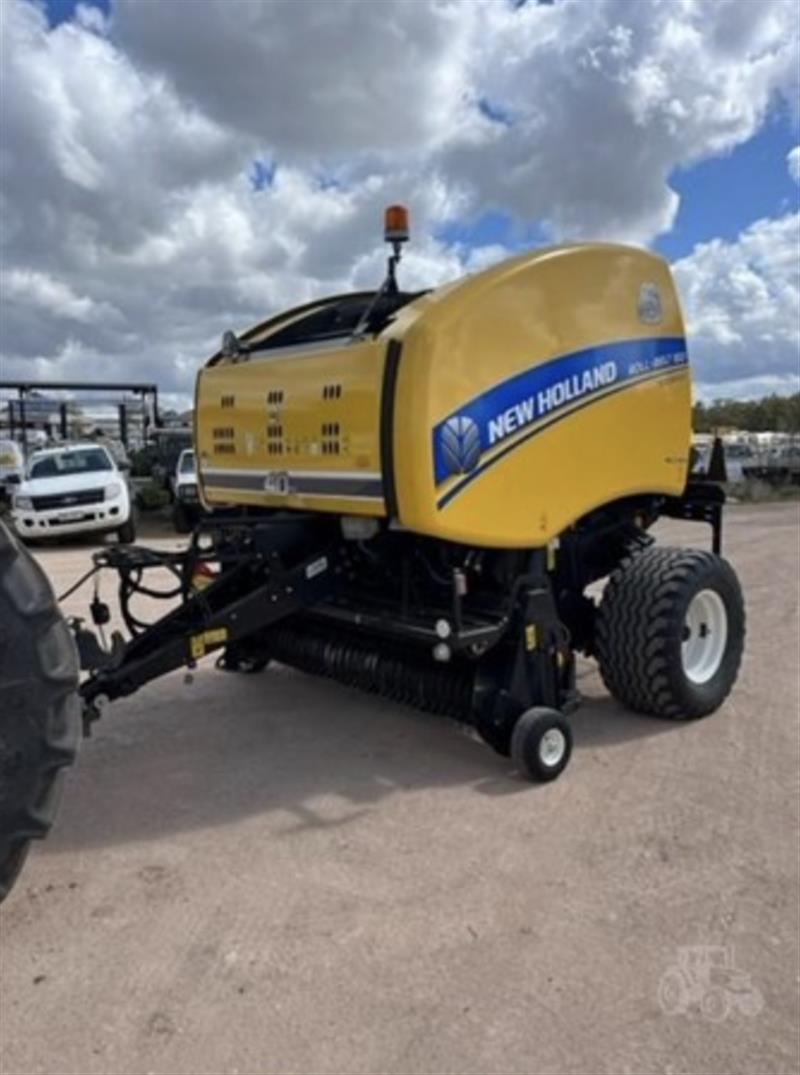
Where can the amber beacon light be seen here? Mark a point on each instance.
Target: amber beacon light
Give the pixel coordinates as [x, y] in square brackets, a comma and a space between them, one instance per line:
[395, 224]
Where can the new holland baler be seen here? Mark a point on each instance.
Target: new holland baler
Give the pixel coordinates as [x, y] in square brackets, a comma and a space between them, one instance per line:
[413, 492]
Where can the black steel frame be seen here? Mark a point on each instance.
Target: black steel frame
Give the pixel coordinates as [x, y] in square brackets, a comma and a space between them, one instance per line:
[274, 569]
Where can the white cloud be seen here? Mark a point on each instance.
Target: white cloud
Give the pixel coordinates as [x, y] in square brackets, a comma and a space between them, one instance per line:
[742, 304]
[53, 298]
[131, 235]
[609, 98]
[793, 163]
[315, 79]
[603, 101]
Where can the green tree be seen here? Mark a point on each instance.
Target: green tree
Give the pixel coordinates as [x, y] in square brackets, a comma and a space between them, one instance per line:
[778, 414]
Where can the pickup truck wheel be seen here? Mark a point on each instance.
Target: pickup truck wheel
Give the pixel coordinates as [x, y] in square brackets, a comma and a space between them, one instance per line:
[126, 534]
[39, 705]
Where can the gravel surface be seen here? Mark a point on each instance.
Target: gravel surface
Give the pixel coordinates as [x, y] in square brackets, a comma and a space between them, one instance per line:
[277, 874]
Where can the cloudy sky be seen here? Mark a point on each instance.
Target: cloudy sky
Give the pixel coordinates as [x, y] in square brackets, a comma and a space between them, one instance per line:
[173, 168]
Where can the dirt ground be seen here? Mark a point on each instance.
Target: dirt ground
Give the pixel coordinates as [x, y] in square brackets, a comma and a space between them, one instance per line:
[276, 874]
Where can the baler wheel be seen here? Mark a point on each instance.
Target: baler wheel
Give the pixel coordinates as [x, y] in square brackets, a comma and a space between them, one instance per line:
[39, 705]
[670, 632]
[541, 744]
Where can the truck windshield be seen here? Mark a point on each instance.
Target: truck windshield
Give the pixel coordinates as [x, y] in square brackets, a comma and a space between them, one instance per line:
[77, 461]
[187, 463]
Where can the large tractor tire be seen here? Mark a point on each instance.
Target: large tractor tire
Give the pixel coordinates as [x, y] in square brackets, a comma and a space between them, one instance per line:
[670, 632]
[39, 705]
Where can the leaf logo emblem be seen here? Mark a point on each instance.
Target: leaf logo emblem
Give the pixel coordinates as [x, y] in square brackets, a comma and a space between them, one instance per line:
[460, 443]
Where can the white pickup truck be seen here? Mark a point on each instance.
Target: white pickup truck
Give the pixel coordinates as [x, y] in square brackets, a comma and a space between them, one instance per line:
[72, 489]
[186, 509]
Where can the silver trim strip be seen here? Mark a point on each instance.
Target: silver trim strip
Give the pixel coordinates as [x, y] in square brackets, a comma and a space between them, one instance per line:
[247, 471]
[309, 483]
[295, 493]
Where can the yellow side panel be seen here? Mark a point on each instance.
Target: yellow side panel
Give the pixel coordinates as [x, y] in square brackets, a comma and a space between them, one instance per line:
[535, 392]
[298, 428]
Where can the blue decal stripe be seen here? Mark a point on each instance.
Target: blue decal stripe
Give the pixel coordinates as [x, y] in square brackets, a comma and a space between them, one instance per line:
[487, 421]
[539, 427]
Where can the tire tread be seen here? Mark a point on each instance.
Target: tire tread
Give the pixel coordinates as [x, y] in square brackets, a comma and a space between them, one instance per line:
[641, 609]
[50, 729]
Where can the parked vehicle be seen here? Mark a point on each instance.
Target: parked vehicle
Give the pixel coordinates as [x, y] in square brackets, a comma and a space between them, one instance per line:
[778, 468]
[12, 467]
[73, 489]
[186, 507]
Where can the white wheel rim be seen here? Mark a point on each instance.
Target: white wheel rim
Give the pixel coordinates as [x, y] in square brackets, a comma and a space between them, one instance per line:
[705, 636]
[552, 746]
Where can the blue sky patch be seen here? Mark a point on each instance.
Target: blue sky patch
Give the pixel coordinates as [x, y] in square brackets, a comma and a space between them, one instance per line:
[722, 196]
[262, 174]
[493, 227]
[59, 11]
[495, 112]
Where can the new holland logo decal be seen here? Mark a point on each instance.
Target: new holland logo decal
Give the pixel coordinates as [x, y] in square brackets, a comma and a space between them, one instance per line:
[488, 427]
[460, 444]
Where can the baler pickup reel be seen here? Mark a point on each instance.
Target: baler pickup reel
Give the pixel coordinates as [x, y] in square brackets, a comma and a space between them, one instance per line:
[291, 589]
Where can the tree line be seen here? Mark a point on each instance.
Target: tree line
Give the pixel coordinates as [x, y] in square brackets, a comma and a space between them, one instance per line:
[778, 414]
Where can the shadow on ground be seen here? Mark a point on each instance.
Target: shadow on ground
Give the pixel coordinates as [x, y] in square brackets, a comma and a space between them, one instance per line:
[180, 757]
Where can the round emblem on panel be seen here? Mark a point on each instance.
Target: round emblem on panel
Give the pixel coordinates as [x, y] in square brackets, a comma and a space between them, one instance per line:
[460, 444]
[650, 306]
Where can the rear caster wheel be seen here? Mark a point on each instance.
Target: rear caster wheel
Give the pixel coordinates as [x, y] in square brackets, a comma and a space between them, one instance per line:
[541, 744]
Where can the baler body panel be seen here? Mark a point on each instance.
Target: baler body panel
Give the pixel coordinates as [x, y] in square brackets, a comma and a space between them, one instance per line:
[571, 397]
[523, 397]
[297, 429]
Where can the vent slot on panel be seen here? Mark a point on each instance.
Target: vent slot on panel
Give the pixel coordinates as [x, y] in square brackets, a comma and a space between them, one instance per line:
[223, 437]
[275, 439]
[275, 446]
[331, 445]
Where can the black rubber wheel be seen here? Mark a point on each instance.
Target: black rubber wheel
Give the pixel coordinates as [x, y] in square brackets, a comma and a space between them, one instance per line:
[181, 519]
[39, 707]
[541, 744]
[670, 632]
[126, 534]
